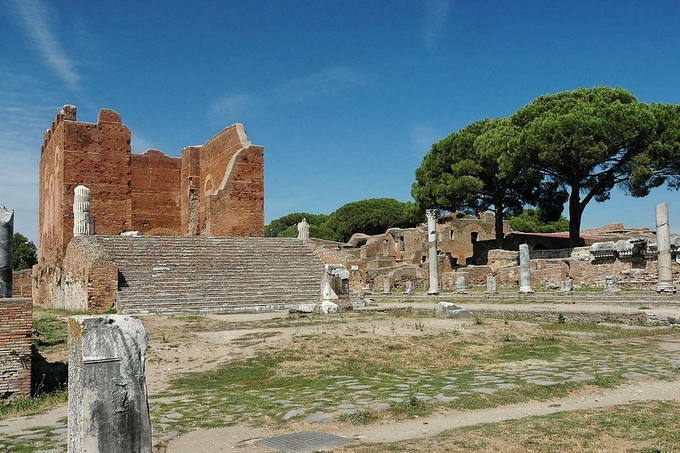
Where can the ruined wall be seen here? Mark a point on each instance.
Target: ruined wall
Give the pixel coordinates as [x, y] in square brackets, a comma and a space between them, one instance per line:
[156, 193]
[232, 176]
[190, 191]
[577, 264]
[51, 194]
[21, 283]
[16, 318]
[89, 277]
[94, 154]
[98, 156]
[215, 189]
[457, 237]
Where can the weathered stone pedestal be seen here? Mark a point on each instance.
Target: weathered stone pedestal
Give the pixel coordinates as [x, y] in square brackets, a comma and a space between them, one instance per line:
[108, 407]
[461, 285]
[6, 251]
[491, 285]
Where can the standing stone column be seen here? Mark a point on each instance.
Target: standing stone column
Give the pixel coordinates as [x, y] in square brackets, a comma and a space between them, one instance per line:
[663, 244]
[81, 212]
[432, 243]
[107, 400]
[525, 270]
[6, 251]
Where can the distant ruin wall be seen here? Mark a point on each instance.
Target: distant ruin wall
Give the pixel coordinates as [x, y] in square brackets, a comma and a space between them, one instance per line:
[214, 189]
[232, 178]
[577, 264]
[94, 154]
[16, 318]
[156, 192]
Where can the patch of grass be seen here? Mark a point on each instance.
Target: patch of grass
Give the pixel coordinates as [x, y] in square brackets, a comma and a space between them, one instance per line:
[540, 348]
[412, 406]
[341, 360]
[359, 417]
[49, 331]
[33, 405]
[636, 428]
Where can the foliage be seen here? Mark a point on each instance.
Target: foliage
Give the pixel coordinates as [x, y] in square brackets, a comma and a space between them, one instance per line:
[371, 216]
[25, 253]
[281, 226]
[661, 162]
[535, 221]
[574, 146]
[586, 141]
[463, 173]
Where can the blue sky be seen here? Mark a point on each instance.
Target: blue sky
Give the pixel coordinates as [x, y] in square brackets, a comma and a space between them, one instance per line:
[346, 97]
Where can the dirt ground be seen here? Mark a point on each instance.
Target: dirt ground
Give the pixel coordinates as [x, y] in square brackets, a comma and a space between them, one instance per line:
[185, 343]
[179, 350]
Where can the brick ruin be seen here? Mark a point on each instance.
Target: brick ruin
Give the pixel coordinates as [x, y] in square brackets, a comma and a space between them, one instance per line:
[16, 317]
[466, 247]
[215, 189]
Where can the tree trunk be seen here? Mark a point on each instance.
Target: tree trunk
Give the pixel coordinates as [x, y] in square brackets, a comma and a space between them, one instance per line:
[575, 213]
[499, 228]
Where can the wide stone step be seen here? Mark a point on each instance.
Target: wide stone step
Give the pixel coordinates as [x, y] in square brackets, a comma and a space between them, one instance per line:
[197, 273]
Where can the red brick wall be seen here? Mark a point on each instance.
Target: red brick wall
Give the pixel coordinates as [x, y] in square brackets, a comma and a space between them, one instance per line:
[155, 192]
[215, 189]
[98, 156]
[51, 237]
[238, 208]
[16, 318]
[21, 283]
[229, 161]
[190, 181]
[89, 277]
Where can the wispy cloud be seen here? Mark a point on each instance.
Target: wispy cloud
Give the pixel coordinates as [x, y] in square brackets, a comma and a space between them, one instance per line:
[422, 138]
[36, 18]
[28, 107]
[435, 20]
[230, 108]
[328, 81]
[234, 107]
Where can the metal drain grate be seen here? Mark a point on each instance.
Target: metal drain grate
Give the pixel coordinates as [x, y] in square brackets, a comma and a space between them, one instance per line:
[303, 442]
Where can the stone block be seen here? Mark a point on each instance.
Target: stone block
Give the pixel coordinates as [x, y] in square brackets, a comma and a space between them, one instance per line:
[108, 407]
[328, 307]
[444, 308]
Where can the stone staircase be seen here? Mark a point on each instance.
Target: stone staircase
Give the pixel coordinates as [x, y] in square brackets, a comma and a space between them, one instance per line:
[167, 274]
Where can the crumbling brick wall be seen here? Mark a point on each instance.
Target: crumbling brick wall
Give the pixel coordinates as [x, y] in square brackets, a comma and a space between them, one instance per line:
[21, 283]
[16, 319]
[554, 266]
[148, 192]
[232, 178]
[94, 154]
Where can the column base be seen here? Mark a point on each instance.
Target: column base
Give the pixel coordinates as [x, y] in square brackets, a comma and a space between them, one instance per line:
[526, 290]
[666, 287]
